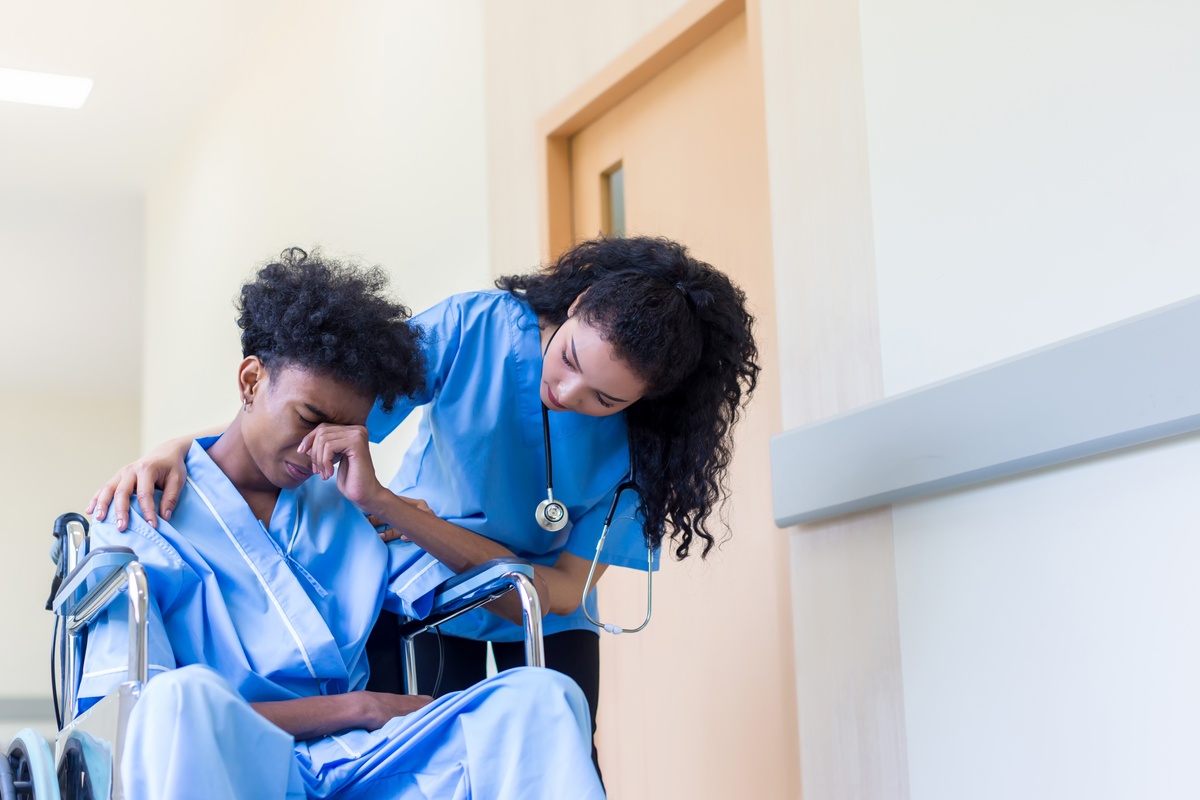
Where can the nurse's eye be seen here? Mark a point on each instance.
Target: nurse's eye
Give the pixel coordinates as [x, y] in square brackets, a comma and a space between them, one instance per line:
[312, 423]
[567, 362]
[604, 403]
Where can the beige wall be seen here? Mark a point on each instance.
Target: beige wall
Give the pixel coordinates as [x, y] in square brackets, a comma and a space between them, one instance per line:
[359, 127]
[69, 384]
[538, 52]
[60, 447]
[849, 682]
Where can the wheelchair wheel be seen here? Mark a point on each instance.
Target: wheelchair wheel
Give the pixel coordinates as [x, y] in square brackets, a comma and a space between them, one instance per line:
[84, 771]
[7, 790]
[32, 767]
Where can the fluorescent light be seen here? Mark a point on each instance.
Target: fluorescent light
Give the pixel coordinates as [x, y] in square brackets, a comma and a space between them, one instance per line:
[43, 89]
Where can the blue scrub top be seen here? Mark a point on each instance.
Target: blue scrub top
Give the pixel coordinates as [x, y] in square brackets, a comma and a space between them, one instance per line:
[479, 461]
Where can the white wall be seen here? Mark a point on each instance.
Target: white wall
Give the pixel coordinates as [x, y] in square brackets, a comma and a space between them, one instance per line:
[359, 127]
[1034, 175]
[1033, 172]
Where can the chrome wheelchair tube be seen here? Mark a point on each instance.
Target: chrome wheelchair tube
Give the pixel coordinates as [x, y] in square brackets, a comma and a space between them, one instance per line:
[77, 543]
[139, 624]
[75, 546]
[96, 601]
[531, 612]
[410, 664]
[133, 579]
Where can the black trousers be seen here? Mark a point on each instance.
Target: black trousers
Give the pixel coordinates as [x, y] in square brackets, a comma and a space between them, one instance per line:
[463, 662]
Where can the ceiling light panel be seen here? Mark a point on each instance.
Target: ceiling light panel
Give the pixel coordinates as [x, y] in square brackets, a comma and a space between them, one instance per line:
[43, 89]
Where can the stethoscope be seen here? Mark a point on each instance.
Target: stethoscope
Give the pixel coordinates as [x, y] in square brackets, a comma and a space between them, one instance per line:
[552, 515]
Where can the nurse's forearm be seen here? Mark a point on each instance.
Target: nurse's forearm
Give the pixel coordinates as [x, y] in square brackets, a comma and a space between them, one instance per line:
[457, 548]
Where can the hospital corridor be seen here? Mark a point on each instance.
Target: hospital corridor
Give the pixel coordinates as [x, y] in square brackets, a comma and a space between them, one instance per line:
[851, 347]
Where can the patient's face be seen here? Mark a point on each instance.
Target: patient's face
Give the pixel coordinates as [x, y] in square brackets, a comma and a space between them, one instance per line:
[292, 402]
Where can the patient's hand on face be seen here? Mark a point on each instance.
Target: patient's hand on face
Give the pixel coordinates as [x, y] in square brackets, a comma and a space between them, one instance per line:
[347, 446]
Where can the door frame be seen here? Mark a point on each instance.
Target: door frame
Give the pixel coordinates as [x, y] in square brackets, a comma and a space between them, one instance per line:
[646, 59]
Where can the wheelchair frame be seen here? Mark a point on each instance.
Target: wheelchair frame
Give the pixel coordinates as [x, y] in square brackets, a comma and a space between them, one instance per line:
[89, 746]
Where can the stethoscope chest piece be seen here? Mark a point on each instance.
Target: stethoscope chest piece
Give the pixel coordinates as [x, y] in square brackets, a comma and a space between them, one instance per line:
[551, 514]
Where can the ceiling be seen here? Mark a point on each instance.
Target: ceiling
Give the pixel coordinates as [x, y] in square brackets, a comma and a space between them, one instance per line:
[72, 183]
[157, 66]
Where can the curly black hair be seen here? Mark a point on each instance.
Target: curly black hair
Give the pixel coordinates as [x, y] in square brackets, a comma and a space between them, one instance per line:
[684, 329]
[313, 312]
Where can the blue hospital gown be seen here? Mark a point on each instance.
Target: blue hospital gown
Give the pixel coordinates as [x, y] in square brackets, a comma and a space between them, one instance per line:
[244, 612]
[478, 459]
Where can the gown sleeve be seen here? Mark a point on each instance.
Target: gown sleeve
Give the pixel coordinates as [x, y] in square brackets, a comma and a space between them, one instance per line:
[413, 575]
[441, 334]
[625, 545]
[106, 661]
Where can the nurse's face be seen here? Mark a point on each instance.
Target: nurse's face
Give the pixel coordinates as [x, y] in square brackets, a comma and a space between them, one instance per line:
[287, 403]
[581, 373]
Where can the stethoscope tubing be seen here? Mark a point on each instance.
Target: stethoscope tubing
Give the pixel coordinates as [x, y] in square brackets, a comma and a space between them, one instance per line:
[631, 484]
[552, 515]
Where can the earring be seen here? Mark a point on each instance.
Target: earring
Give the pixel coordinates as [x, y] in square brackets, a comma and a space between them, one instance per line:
[244, 407]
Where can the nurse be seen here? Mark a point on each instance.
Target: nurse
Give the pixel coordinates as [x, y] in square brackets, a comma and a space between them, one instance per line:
[622, 347]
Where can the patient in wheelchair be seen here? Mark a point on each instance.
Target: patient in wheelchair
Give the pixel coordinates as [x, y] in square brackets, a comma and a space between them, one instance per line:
[267, 580]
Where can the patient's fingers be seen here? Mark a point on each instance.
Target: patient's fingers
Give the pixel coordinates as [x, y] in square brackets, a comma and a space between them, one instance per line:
[389, 706]
[328, 443]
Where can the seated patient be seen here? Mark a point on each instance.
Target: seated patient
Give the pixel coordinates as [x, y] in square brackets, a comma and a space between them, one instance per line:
[266, 582]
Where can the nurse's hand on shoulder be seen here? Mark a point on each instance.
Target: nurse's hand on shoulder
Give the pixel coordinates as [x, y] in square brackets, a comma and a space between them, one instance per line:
[163, 468]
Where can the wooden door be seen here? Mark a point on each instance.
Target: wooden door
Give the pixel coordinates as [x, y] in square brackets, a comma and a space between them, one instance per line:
[701, 704]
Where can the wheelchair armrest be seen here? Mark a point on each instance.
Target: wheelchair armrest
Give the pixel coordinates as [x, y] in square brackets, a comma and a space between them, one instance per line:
[97, 567]
[469, 586]
[470, 590]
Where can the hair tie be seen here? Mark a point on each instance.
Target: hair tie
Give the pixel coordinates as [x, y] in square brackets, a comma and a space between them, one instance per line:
[679, 286]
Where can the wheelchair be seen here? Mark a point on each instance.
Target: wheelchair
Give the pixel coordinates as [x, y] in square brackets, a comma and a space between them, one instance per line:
[84, 761]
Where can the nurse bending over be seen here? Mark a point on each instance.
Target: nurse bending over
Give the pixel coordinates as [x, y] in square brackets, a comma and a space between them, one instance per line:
[265, 584]
[624, 352]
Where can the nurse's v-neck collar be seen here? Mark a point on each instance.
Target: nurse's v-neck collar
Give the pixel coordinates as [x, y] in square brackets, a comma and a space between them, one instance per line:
[527, 353]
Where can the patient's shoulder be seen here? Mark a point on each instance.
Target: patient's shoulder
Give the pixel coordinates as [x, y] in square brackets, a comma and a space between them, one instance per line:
[151, 546]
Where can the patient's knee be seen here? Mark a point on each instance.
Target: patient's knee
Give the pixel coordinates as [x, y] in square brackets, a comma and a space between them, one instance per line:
[193, 684]
[546, 686]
